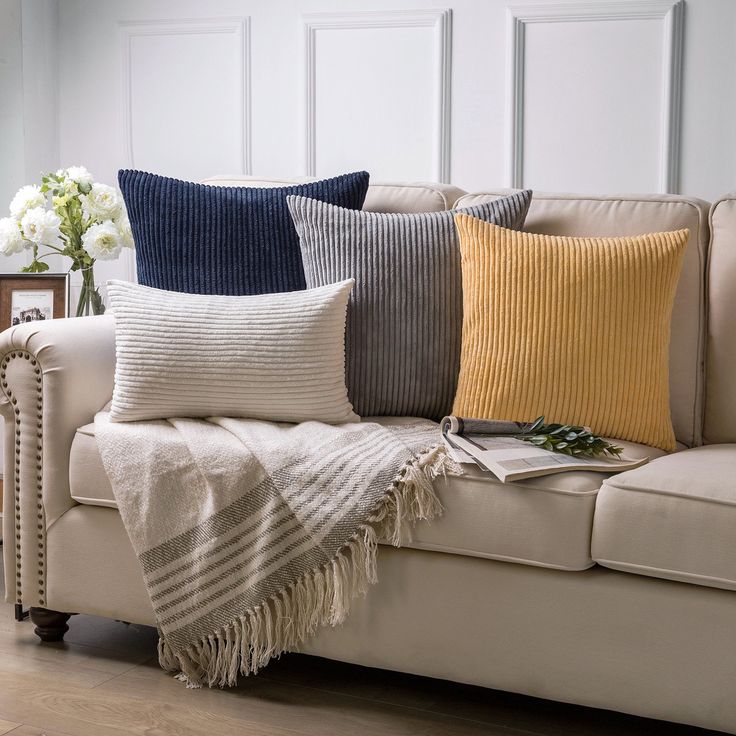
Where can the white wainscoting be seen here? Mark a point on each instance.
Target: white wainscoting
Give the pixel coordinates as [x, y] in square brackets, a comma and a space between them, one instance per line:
[173, 106]
[589, 96]
[391, 108]
[594, 92]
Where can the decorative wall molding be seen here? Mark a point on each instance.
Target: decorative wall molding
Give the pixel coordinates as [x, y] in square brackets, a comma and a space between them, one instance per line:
[239, 27]
[669, 12]
[440, 20]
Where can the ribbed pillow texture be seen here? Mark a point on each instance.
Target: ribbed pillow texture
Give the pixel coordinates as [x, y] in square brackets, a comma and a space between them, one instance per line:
[205, 239]
[276, 357]
[577, 329]
[405, 316]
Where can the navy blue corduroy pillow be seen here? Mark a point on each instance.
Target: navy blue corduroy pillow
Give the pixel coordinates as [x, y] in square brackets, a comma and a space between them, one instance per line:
[205, 239]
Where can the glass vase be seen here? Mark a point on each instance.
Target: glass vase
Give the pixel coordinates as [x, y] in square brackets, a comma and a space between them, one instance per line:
[90, 299]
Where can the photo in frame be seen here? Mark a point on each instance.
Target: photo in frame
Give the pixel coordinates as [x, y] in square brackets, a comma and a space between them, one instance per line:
[32, 297]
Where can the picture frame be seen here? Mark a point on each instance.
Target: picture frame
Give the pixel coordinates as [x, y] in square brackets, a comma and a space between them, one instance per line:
[30, 297]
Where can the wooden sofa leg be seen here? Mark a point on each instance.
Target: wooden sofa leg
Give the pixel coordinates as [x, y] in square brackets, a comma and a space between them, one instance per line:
[50, 625]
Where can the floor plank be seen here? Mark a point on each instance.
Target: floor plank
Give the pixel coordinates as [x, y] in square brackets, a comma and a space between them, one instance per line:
[75, 675]
[7, 727]
[41, 703]
[81, 665]
[34, 731]
[312, 711]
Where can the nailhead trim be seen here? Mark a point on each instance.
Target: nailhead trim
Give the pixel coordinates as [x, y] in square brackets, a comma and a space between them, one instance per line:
[40, 516]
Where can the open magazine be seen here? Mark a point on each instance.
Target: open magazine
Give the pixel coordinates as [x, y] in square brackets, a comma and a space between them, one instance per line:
[487, 444]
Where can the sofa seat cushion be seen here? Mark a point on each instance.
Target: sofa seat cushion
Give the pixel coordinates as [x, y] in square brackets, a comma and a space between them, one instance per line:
[88, 481]
[673, 518]
[542, 521]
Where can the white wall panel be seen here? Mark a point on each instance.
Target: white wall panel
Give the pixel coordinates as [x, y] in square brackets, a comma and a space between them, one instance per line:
[708, 155]
[394, 96]
[594, 96]
[28, 113]
[186, 85]
[40, 87]
[11, 111]
[377, 93]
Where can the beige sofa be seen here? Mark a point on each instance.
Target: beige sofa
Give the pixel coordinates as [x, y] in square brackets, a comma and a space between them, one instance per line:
[620, 596]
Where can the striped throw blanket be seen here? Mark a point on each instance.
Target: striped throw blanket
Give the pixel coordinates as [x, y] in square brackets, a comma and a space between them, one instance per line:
[252, 534]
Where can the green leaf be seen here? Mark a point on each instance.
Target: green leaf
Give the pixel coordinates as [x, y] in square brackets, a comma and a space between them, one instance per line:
[35, 266]
[536, 424]
[570, 440]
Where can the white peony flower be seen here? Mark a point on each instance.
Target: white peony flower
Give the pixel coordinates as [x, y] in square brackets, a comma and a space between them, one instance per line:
[79, 174]
[71, 187]
[103, 241]
[25, 199]
[11, 240]
[102, 203]
[41, 226]
[126, 233]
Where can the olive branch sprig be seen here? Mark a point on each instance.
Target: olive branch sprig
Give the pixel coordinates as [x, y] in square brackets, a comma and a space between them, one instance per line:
[568, 439]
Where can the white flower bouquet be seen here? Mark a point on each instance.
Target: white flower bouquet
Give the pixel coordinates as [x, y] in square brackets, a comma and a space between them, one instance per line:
[71, 215]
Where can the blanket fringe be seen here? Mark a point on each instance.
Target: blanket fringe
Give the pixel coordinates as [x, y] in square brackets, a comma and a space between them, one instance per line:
[320, 597]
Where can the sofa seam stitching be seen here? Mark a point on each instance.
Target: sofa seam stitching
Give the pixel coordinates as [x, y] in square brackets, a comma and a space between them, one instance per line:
[670, 494]
[603, 561]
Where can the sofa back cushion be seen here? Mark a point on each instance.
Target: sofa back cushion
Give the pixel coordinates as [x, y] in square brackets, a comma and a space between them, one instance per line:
[413, 197]
[223, 240]
[606, 216]
[720, 364]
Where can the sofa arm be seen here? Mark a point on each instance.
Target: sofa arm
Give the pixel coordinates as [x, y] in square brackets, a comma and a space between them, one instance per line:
[54, 376]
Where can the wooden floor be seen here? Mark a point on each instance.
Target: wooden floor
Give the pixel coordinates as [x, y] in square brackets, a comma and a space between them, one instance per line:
[104, 681]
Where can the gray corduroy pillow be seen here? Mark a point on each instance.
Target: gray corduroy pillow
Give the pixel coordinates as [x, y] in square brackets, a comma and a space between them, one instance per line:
[405, 315]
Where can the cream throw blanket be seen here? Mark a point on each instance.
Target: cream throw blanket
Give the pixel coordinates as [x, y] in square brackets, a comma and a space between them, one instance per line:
[252, 534]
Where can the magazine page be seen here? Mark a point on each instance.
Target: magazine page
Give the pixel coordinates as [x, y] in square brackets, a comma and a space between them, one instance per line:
[509, 458]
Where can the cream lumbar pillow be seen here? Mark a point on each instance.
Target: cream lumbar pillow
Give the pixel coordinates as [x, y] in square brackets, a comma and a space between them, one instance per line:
[577, 329]
[277, 357]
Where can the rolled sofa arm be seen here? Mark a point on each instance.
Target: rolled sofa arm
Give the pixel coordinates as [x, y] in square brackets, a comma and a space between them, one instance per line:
[54, 376]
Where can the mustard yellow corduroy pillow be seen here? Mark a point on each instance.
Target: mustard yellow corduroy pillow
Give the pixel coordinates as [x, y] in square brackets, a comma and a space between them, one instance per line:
[577, 329]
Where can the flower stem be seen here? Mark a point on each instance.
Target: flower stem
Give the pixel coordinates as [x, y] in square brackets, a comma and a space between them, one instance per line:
[90, 300]
[46, 245]
[83, 303]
